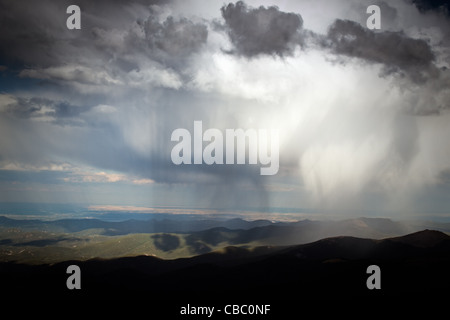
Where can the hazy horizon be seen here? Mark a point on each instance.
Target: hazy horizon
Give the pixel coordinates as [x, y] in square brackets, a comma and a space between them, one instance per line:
[60, 211]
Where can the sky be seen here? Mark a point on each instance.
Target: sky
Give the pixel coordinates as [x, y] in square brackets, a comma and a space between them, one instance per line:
[86, 115]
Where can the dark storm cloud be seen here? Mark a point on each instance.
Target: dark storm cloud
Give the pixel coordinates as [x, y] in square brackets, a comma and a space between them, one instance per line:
[170, 42]
[176, 38]
[433, 5]
[397, 52]
[35, 33]
[36, 36]
[255, 31]
[124, 76]
[389, 13]
[22, 34]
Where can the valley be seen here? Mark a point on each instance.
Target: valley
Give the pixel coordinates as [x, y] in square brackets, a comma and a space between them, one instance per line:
[49, 242]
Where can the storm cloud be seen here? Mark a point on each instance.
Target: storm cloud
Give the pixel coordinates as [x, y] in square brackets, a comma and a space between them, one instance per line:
[120, 44]
[441, 6]
[363, 114]
[255, 31]
[397, 52]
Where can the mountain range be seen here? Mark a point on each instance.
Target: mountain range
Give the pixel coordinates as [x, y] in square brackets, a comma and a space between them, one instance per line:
[414, 265]
[193, 260]
[38, 242]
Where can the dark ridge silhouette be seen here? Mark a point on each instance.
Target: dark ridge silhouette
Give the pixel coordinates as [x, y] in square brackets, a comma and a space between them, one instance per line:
[333, 268]
[423, 239]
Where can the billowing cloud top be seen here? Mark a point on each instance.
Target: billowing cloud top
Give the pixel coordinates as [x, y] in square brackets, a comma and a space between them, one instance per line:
[261, 30]
[87, 115]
